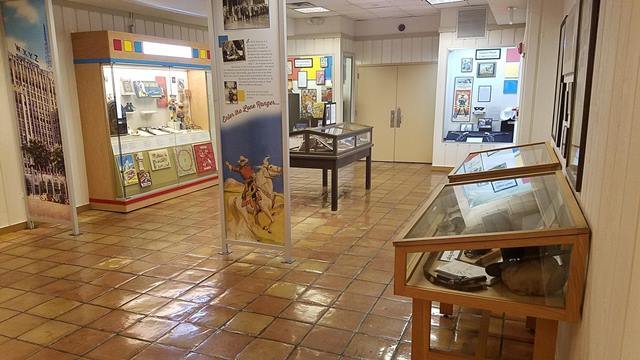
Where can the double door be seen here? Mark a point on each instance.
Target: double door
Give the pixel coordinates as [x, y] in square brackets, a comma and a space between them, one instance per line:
[399, 102]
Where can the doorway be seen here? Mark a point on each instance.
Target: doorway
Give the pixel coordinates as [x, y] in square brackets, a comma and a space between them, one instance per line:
[399, 102]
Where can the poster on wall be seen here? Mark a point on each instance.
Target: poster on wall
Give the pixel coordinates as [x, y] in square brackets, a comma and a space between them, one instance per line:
[252, 14]
[252, 132]
[127, 169]
[41, 139]
[462, 90]
[205, 161]
[185, 163]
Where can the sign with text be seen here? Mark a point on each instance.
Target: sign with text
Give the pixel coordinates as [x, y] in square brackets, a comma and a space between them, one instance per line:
[30, 61]
[250, 83]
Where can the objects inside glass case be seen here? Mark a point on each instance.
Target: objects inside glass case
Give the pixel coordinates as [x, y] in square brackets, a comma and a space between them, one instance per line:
[330, 140]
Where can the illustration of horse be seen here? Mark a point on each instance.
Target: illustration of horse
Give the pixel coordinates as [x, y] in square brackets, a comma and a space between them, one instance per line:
[265, 198]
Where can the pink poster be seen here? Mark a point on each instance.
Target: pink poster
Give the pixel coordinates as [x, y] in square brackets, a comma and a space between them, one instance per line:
[512, 55]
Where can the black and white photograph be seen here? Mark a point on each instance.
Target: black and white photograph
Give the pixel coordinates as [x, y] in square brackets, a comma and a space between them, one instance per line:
[231, 92]
[233, 50]
[487, 70]
[466, 65]
[246, 14]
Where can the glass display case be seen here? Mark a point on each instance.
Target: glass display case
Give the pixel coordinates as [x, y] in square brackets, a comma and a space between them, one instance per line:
[517, 245]
[332, 140]
[513, 160]
[146, 117]
[158, 121]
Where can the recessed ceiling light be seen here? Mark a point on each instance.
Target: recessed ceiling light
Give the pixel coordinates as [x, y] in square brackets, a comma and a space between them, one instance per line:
[312, 10]
[441, 2]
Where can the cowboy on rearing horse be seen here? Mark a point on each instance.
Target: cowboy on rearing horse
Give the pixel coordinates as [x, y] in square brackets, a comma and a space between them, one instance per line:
[245, 170]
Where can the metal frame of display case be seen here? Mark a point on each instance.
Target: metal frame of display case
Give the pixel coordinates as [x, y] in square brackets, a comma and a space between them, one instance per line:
[333, 160]
[523, 170]
[546, 317]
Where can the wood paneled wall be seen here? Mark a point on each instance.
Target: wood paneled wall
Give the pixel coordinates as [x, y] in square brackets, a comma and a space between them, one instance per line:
[610, 198]
[396, 50]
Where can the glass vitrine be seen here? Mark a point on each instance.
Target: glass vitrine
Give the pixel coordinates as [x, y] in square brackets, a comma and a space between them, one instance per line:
[159, 126]
[513, 160]
[332, 140]
[513, 244]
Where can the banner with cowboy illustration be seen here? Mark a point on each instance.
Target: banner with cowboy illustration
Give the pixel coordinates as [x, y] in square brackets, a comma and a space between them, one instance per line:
[250, 85]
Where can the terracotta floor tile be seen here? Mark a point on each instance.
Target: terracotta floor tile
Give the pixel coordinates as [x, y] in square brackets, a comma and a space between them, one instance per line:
[287, 331]
[212, 316]
[369, 347]
[270, 273]
[149, 329]
[20, 324]
[403, 351]
[7, 294]
[365, 288]
[26, 301]
[81, 341]
[48, 332]
[50, 354]
[286, 290]
[300, 277]
[303, 312]
[196, 356]
[224, 344]
[319, 296]
[84, 293]
[161, 352]
[117, 348]
[53, 308]
[145, 304]
[170, 289]
[142, 284]
[115, 298]
[17, 350]
[333, 282]
[116, 321]
[84, 314]
[248, 323]
[327, 339]
[193, 276]
[342, 319]
[177, 310]
[235, 299]
[355, 302]
[201, 294]
[186, 336]
[265, 350]
[6, 314]
[392, 308]
[253, 285]
[376, 325]
[301, 353]
[268, 305]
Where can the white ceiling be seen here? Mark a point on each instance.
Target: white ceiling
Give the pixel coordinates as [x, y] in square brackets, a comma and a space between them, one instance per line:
[374, 9]
[500, 10]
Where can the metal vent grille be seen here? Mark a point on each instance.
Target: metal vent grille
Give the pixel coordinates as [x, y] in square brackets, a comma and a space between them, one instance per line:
[472, 23]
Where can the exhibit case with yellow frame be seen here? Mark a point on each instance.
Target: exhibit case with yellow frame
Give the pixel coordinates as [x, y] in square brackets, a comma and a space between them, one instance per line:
[515, 245]
[146, 118]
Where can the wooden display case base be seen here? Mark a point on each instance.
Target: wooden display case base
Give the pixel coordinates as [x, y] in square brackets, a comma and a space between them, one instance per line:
[544, 343]
[129, 205]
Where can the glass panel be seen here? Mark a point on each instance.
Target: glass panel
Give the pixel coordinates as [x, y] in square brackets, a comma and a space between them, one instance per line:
[532, 275]
[347, 88]
[364, 138]
[510, 158]
[296, 142]
[461, 334]
[347, 143]
[526, 203]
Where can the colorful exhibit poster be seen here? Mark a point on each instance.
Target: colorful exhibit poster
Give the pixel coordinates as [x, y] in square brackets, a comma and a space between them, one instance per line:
[29, 50]
[463, 88]
[159, 159]
[186, 164]
[127, 169]
[251, 128]
[205, 161]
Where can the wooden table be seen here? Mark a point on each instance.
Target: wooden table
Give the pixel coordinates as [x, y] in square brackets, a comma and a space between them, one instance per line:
[334, 163]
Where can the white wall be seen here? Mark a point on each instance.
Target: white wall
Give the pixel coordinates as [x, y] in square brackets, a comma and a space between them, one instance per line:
[451, 154]
[70, 17]
[610, 326]
[389, 26]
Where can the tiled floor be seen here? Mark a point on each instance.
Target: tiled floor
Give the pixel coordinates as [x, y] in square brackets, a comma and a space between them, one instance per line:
[151, 284]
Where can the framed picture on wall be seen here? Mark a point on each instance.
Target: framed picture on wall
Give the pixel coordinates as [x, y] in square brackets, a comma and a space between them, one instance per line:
[488, 54]
[463, 87]
[487, 70]
[466, 127]
[324, 62]
[302, 79]
[484, 93]
[289, 67]
[320, 78]
[303, 63]
[466, 65]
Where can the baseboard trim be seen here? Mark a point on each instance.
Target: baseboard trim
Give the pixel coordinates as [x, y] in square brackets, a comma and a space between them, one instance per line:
[14, 227]
[446, 169]
[83, 208]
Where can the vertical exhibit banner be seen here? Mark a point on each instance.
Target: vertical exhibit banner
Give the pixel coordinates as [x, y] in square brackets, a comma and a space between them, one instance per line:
[31, 68]
[250, 54]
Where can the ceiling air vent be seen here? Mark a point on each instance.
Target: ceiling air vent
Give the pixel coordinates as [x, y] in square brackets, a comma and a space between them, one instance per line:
[472, 23]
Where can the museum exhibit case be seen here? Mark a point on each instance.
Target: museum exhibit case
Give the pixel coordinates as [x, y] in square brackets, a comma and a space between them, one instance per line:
[311, 79]
[514, 160]
[515, 245]
[146, 119]
[330, 148]
[481, 98]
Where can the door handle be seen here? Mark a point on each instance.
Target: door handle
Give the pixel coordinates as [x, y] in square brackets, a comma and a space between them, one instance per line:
[392, 119]
[398, 117]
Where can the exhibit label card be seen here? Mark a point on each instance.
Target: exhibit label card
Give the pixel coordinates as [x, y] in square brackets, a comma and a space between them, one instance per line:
[251, 80]
[29, 50]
